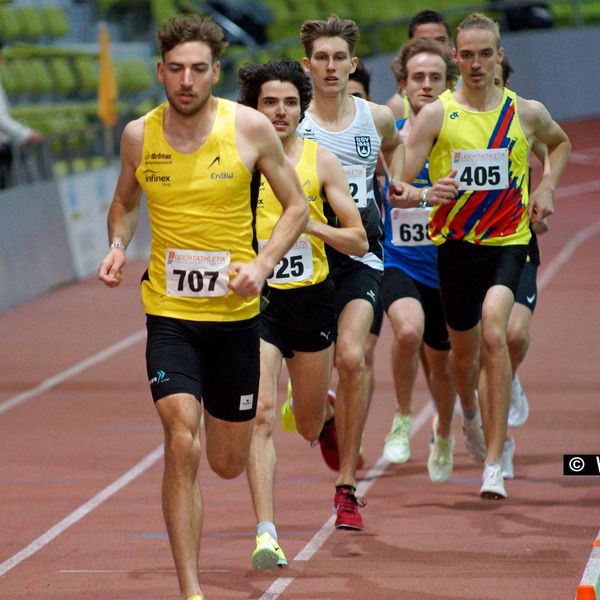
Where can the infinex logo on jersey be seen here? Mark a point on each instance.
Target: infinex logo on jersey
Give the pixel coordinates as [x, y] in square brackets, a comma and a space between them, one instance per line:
[363, 145]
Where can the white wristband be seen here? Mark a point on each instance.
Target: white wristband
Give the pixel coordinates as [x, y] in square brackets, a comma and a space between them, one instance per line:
[117, 245]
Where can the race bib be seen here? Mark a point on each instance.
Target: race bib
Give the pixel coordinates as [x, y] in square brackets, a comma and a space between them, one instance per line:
[357, 180]
[409, 227]
[481, 169]
[296, 265]
[196, 273]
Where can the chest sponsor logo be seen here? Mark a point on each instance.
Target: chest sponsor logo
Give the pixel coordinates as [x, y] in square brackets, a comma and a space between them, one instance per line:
[158, 158]
[363, 145]
[454, 115]
[152, 176]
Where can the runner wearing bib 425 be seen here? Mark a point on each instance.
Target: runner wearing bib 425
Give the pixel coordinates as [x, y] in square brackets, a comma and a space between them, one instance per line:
[306, 262]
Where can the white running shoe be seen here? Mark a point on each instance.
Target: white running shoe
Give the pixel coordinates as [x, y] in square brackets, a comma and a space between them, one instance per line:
[493, 483]
[441, 460]
[518, 411]
[397, 447]
[508, 450]
[474, 438]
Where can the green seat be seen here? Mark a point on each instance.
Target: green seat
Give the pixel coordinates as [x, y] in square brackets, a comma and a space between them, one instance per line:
[30, 22]
[132, 75]
[163, 10]
[16, 78]
[63, 75]
[88, 72]
[41, 80]
[10, 28]
[55, 21]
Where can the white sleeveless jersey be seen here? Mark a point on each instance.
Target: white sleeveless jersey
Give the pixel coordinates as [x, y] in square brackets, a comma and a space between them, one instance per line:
[357, 147]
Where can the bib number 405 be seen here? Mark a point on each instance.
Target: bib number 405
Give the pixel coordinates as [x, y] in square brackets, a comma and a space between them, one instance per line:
[480, 176]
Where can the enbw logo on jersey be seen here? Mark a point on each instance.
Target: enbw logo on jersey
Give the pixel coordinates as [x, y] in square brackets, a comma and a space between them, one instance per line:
[363, 145]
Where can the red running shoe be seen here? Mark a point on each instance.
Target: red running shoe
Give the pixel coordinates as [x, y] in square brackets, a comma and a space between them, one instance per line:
[328, 439]
[346, 505]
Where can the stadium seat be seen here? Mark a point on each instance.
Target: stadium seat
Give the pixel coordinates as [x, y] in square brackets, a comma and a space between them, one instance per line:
[39, 76]
[10, 27]
[30, 22]
[88, 73]
[55, 21]
[62, 75]
[133, 75]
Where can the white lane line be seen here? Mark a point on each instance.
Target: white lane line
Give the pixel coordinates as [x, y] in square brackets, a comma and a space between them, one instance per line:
[281, 583]
[566, 253]
[82, 511]
[577, 189]
[73, 371]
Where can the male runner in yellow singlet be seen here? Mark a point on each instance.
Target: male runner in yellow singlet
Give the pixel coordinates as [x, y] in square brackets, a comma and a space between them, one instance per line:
[194, 157]
[478, 140]
[299, 320]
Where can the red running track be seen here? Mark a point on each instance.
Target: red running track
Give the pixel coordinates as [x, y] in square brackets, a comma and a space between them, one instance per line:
[80, 460]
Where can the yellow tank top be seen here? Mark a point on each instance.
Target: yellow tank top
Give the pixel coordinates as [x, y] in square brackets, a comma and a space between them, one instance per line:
[489, 150]
[201, 221]
[306, 262]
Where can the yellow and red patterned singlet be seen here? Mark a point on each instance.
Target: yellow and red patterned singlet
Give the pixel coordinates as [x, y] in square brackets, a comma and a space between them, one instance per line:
[489, 151]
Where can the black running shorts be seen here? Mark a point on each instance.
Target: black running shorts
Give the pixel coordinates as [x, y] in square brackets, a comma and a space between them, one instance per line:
[218, 363]
[300, 319]
[467, 271]
[527, 290]
[397, 284]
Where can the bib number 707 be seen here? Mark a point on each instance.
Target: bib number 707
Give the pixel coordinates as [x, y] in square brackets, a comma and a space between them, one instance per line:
[196, 273]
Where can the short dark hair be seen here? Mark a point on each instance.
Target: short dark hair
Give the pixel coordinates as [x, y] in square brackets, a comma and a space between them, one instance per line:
[362, 75]
[1, 44]
[252, 76]
[423, 18]
[191, 28]
[332, 27]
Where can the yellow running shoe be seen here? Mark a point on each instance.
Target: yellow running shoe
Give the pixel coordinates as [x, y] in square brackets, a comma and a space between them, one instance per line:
[286, 415]
[267, 554]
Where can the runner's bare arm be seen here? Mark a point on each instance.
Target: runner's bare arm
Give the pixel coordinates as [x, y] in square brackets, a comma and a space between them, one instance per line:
[350, 237]
[124, 209]
[261, 149]
[539, 123]
[392, 146]
[424, 131]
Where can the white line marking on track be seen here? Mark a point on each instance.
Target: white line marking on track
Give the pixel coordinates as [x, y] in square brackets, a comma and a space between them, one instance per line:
[566, 252]
[82, 511]
[577, 189]
[281, 583]
[55, 380]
